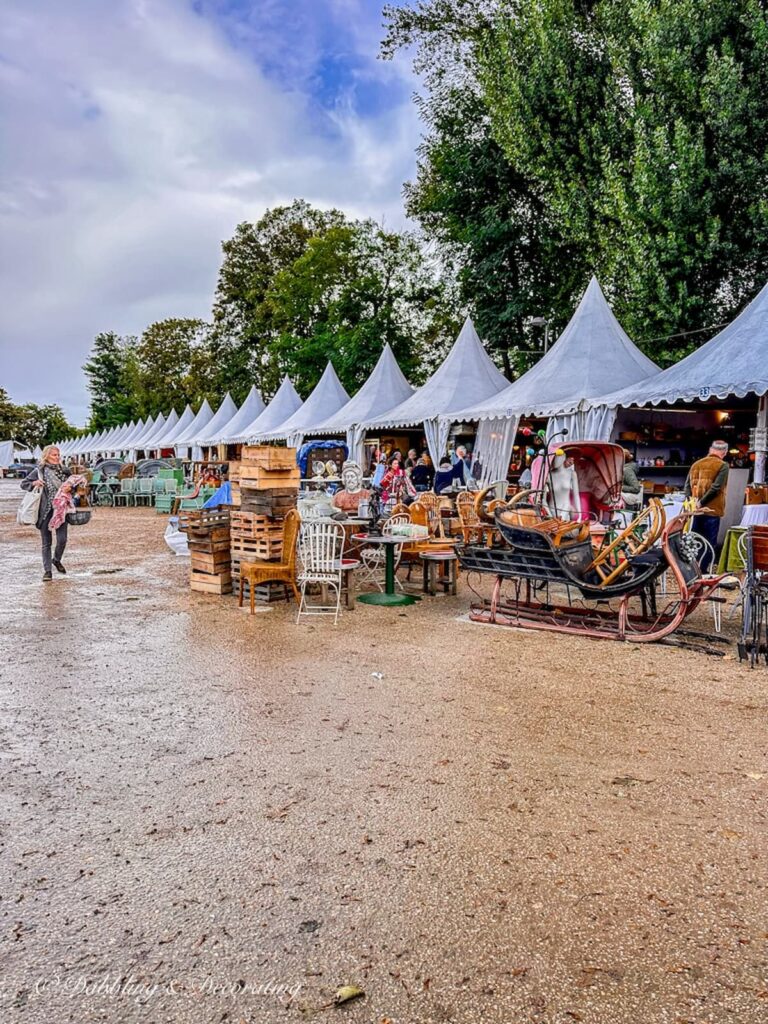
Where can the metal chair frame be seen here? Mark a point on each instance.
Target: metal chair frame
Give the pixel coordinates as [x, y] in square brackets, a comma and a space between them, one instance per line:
[321, 546]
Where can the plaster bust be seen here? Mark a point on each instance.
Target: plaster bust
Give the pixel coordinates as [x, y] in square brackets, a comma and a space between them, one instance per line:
[353, 491]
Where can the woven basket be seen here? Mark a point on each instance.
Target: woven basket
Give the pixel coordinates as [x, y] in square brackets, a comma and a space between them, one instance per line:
[79, 518]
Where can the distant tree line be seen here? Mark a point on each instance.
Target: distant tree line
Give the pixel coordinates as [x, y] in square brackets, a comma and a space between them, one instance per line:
[32, 424]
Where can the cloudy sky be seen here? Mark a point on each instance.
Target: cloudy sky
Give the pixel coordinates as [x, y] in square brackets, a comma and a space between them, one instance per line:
[138, 133]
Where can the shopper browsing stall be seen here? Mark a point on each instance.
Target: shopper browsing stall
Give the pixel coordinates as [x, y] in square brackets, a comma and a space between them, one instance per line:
[707, 484]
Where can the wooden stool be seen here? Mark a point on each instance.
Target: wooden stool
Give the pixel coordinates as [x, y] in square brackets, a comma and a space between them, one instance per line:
[448, 563]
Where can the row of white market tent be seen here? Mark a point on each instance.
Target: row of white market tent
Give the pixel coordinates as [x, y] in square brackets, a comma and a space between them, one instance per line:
[591, 371]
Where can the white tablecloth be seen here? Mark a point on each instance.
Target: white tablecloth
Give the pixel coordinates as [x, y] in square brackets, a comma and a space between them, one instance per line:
[754, 515]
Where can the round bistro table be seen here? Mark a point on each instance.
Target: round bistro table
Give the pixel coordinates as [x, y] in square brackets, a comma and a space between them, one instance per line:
[389, 597]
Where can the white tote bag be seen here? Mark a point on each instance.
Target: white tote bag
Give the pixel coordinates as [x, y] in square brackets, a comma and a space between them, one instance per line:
[29, 507]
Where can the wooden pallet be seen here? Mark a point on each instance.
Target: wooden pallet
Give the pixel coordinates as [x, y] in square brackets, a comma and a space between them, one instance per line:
[273, 502]
[267, 548]
[209, 542]
[248, 524]
[203, 519]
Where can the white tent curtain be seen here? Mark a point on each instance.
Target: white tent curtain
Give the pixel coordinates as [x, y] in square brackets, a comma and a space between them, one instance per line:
[436, 432]
[355, 444]
[493, 447]
[587, 425]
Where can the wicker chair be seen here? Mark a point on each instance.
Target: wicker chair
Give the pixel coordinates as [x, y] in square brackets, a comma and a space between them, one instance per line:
[431, 503]
[471, 524]
[283, 571]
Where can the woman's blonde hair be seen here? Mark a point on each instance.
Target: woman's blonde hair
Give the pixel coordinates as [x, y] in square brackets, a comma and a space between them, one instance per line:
[47, 451]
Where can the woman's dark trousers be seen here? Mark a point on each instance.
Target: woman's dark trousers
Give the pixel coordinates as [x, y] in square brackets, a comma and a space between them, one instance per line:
[47, 538]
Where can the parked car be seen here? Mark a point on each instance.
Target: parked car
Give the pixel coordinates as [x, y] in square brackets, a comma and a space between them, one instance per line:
[19, 469]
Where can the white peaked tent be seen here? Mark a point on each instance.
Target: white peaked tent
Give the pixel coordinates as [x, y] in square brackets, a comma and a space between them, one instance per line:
[592, 355]
[221, 417]
[385, 388]
[200, 422]
[734, 362]
[285, 402]
[160, 428]
[252, 407]
[467, 374]
[327, 398]
[167, 438]
[104, 444]
[118, 438]
[38, 452]
[137, 444]
[136, 429]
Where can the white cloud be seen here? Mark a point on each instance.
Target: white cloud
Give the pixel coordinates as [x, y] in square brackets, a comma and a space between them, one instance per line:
[137, 134]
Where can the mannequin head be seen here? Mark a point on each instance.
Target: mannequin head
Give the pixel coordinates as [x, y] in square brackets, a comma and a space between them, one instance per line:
[352, 477]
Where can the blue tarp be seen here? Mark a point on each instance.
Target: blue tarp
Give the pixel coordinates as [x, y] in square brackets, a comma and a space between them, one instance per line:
[221, 497]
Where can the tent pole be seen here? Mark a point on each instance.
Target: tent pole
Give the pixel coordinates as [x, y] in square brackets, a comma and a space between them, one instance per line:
[760, 443]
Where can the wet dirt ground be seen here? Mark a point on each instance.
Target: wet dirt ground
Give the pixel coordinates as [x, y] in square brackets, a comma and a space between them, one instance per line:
[211, 817]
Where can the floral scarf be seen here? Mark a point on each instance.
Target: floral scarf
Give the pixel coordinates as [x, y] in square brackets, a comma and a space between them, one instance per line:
[63, 501]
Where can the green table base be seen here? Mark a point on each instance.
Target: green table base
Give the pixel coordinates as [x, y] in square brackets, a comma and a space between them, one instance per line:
[387, 599]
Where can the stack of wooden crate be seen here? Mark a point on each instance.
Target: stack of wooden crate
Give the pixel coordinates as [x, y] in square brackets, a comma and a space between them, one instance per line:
[268, 488]
[208, 539]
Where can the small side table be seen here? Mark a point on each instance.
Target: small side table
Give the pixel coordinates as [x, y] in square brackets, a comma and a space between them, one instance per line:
[389, 597]
[447, 578]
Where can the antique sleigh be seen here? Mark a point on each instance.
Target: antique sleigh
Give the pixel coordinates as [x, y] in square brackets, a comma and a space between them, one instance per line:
[591, 576]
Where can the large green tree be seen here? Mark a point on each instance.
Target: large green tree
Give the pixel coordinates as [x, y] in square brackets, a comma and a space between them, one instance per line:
[171, 366]
[643, 125]
[355, 288]
[109, 373]
[303, 286]
[243, 331]
[488, 219]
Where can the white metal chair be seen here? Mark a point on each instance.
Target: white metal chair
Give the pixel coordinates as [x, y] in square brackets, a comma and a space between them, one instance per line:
[321, 545]
[702, 548]
[373, 557]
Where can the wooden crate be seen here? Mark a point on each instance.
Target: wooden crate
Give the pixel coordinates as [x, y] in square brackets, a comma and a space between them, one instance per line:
[207, 583]
[273, 502]
[267, 548]
[234, 472]
[264, 478]
[268, 457]
[214, 563]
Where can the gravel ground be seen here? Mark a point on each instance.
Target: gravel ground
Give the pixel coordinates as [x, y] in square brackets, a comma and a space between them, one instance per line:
[469, 823]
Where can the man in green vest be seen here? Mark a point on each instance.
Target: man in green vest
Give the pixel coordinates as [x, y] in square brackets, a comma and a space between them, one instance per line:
[707, 484]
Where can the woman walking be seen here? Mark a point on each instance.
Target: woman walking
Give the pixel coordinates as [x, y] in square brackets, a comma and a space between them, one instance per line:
[48, 478]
